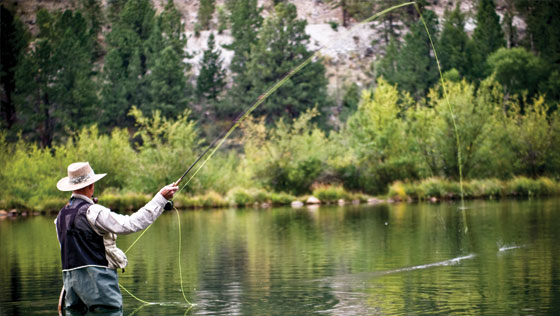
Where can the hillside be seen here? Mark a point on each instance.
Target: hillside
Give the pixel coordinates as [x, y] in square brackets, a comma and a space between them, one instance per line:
[348, 52]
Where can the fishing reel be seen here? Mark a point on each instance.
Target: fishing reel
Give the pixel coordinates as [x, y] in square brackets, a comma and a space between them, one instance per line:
[168, 206]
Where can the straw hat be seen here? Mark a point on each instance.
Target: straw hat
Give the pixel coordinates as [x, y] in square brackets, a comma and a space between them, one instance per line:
[80, 175]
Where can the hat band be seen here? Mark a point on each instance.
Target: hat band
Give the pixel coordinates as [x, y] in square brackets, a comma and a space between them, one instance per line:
[80, 179]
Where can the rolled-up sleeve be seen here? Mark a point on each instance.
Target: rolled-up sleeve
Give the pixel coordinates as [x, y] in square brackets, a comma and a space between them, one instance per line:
[103, 220]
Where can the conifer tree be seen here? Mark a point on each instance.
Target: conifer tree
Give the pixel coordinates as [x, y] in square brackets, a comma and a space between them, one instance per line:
[211, 78]
[205, 12]
[281, 47]
[13, 40]
[455, 47]
[126, 63]
[54, 82]
[167, 87]
[413, 69]
[246, 21]
[487, 37]
[543, 27]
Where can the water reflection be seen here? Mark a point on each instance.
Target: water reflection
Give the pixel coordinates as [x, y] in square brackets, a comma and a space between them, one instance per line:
[352, 260]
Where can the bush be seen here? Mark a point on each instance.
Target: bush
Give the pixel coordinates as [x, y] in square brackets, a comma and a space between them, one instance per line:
[330, 193]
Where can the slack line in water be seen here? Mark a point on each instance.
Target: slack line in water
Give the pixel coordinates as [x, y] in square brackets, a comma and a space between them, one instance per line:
[218, 141]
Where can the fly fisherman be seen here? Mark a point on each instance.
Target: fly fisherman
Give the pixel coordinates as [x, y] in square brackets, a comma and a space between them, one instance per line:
[87, 234]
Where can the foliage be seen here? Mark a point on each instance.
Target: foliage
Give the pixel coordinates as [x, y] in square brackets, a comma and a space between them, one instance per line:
[412, 67]
[54, 80]
[455, 48]
[205, 12]
[289, 158]
[484, 188]
[166, 147]
[487, 37]
[534, 139]
[211, 78]
[14, 38]
[517, 70]
[331, 193]
[281, 46]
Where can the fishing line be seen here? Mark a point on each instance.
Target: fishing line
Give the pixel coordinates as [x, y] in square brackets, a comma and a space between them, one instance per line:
[455, 129]
[446, 96]
[218, 141]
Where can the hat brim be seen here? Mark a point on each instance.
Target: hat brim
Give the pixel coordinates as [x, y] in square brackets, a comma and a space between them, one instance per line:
[65, 185]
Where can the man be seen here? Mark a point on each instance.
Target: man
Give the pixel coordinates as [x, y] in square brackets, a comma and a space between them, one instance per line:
[87, 234]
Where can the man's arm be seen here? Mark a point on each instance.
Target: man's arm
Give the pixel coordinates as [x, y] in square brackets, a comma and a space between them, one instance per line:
[103, 220]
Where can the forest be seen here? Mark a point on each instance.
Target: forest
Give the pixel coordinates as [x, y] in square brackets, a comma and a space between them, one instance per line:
[113, 85]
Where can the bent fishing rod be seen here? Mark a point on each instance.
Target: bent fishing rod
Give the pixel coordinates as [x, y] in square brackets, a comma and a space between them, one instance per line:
[218, 141]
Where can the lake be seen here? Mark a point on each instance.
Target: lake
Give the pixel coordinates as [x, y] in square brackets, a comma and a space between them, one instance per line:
[492, 258]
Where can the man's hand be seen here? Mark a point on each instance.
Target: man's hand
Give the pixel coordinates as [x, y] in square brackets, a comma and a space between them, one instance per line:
[168, 191]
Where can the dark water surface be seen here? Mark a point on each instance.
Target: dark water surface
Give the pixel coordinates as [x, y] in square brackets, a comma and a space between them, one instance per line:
[495, 258]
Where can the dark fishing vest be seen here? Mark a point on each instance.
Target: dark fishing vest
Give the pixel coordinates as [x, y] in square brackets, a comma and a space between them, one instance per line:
[80, 245]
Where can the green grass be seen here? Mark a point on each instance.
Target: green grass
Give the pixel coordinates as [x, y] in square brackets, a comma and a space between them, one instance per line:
[482, 188]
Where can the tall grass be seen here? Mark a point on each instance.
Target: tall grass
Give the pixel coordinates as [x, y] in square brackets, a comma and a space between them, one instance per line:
[485, 188]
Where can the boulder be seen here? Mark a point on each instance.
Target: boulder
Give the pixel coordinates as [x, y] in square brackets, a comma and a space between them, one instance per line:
[3, 213]
[374, 201]
[297, 204]
[341, 202]
[313, 200]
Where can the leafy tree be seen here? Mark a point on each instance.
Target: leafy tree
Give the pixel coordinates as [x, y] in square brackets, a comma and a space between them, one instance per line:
[378, 139]
[517, 70]
[455, 47]
[487, 37]
[533, 137]
[54, 81]
[282, 45]
[205, 12]
[211, 78]
[13, 40]
[474, 120]
[290, 157]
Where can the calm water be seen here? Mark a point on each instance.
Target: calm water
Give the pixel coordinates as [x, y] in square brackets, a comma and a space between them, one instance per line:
[495, 258]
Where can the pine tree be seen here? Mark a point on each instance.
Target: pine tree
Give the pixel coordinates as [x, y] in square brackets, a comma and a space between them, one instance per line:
[205, 12]
[13, 40]
[280, 48]
[211, 78]
[543, 28]
[487, 37]
[246, 22]
[126, 63]
[455, 47]
[167, 87]
[54, 82]
[413, 69]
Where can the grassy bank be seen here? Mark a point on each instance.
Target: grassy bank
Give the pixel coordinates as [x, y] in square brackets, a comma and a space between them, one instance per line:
[427, 189]
[473, 189]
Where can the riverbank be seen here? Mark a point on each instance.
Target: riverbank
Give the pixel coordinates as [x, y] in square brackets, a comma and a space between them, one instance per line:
[431, 189]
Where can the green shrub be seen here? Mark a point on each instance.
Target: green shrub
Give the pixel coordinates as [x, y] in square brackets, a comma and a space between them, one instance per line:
[330, 193]
[240, 197]
[433, 187]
